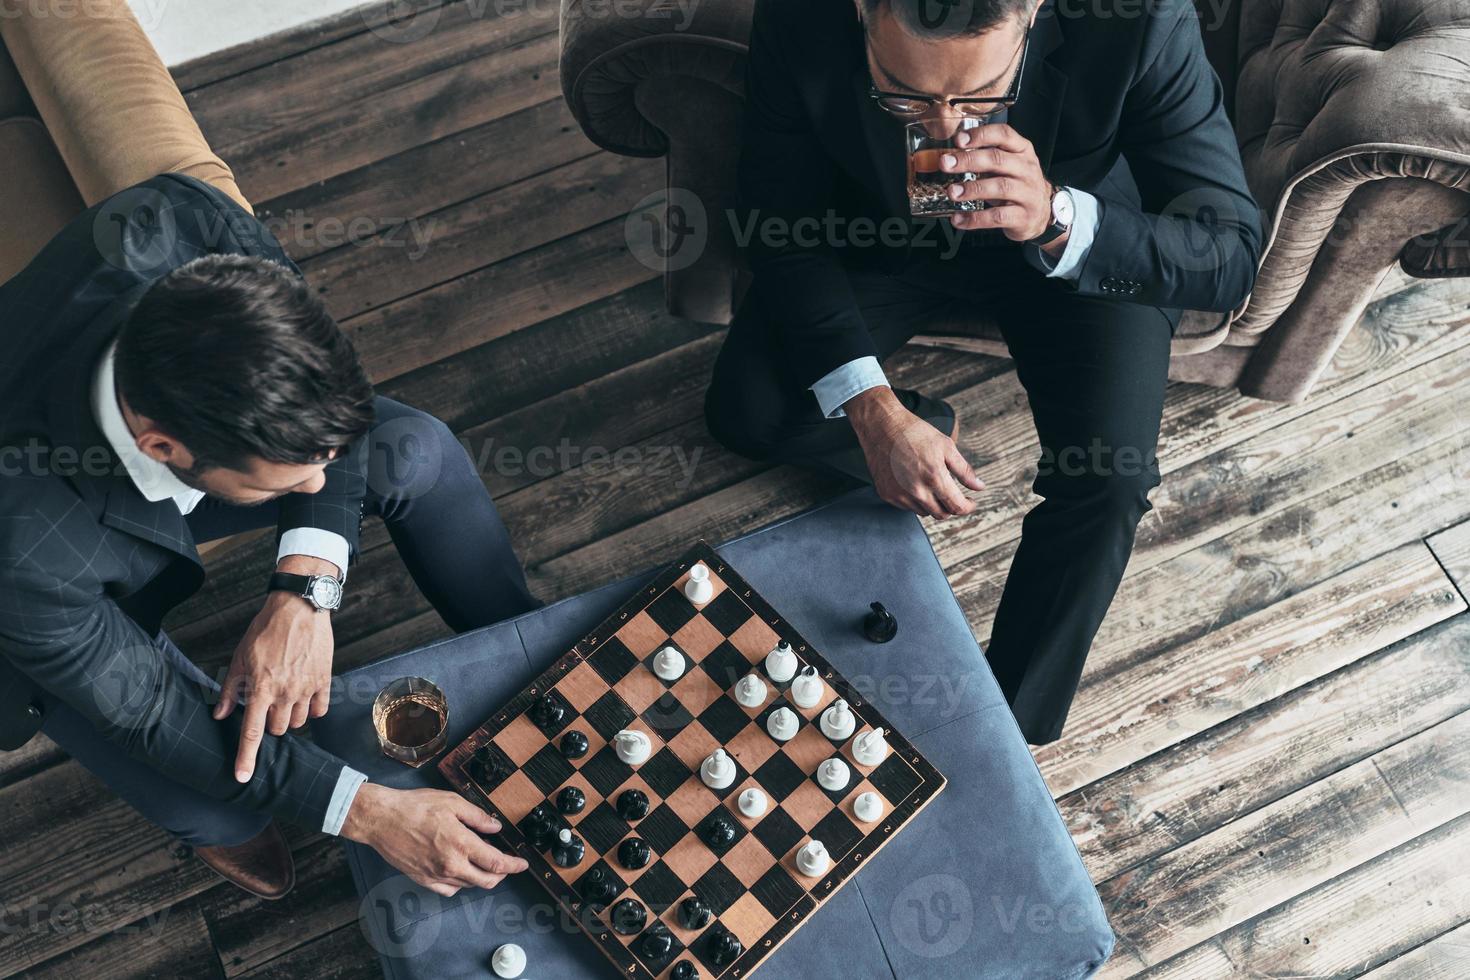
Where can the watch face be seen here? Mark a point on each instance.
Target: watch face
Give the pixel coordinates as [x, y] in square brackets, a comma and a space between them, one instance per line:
[326, 592]
[1062, 209]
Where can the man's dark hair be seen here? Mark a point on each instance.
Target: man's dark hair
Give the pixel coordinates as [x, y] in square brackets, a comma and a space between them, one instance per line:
[942, 19]
[237, 358]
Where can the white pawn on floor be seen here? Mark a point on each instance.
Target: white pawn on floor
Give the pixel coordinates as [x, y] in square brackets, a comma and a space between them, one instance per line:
[834, 775]
[668, 664]
[698, 589]
[807, 689]
[508, 961]
[633, 747]
[751, 691]
[813, 860]
[781, 663]
[753, 803]
[718, 771]
[782, 724]
[870, 748]
[837, 722]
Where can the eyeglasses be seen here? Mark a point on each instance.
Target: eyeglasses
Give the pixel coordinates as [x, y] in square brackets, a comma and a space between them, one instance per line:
[906, 105]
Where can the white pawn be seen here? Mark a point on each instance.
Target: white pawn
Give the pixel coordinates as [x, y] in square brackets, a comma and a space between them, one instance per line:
[751, 691]
[509, 961]
[807, 689]
[698, 589]
[632, 747]
[834, 775]
[753, 803]
[668, 664]
[782, 724]
[781, 663]
[718, 772]
[813, 860]
[867, 807]
[837, 722]
[870, 748]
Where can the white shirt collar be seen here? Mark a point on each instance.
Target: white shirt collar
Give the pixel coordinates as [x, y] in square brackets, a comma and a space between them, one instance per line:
[154, 480]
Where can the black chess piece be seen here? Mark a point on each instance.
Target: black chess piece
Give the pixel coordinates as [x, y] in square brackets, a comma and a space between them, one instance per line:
[571, 800]
[684, 970]
[574, 744]
[879, 624]
[694, 914]
[634, 853]
[633, 804]
[657, 942]
[598, 887]
[724, 948]
[540, 827]
[568, 851]
[547, 713]
[628, 917]
[486, 766]
[718, 831]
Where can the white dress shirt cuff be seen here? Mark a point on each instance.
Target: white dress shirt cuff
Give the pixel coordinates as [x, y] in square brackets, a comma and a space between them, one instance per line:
[348, 783]
[313, 542]
[1079, 242]
[846, 382]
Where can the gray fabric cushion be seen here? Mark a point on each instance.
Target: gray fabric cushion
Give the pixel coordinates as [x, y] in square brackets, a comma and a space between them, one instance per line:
[992, 845]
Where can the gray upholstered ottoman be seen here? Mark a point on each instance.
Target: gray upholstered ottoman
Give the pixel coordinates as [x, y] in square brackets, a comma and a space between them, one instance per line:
[984, 883]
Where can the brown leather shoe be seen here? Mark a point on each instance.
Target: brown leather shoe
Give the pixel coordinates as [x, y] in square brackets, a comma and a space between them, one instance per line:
[261, 866]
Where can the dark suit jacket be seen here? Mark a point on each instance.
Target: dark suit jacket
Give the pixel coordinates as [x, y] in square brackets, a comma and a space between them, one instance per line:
[89, 567]
[1101, 86]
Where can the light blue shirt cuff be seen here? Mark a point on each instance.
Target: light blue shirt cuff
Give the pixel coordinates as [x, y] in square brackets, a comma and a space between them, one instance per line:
[348, 783]
[313, 542]
[1079, 242]
[847, 382]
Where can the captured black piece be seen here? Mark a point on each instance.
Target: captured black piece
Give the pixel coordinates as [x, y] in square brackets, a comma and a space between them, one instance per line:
[879, 624]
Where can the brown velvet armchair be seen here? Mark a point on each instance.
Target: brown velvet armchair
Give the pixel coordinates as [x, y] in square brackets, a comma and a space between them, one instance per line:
[1353, 120]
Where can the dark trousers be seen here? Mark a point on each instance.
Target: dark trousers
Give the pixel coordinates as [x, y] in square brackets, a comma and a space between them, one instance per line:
[445, 526]
[1094, 371]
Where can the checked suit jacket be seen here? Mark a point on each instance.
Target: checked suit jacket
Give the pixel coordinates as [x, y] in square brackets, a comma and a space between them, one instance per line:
[88, 566]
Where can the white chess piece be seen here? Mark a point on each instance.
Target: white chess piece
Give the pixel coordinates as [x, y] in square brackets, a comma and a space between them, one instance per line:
[807, 689]
[781, 663]
[751, 691]
[753, 803]
[698, 589]
[834, 775]
[718, 771]
[782, 724]
[668, 664]
[837, 722]
[867, 807]
[508, 962]
[632, 747]
[870, 748]
[813, 860]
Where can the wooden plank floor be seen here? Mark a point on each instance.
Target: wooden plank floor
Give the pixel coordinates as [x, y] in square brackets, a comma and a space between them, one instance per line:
[1267, 771]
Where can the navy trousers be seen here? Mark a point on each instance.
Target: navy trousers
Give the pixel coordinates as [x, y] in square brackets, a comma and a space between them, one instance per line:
[424, 487]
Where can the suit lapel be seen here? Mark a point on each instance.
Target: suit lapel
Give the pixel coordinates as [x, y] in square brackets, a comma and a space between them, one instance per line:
[886, 152]
[1038, 107]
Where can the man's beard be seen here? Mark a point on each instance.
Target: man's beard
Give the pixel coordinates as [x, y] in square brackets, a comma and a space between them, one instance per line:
[192, 477]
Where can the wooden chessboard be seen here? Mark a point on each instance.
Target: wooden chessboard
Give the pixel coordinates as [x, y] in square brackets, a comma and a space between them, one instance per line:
[605, 684]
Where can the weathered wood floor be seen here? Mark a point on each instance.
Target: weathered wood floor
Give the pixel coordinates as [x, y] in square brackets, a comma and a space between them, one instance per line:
[1268, 768]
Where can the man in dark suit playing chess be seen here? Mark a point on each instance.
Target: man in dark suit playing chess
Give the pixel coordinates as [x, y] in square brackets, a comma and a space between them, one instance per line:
[170, 379]
[1085, 274]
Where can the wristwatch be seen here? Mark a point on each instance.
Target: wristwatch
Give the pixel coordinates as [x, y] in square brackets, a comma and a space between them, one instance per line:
[1063, 211]
[324, 592]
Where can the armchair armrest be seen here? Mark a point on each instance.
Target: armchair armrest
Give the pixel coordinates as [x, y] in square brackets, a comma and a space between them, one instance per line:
[108, 103]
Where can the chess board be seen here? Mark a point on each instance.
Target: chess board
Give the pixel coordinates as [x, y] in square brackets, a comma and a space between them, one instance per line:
[605, 684]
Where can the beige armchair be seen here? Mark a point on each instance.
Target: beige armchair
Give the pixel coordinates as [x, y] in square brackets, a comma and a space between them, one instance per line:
[1353, 118]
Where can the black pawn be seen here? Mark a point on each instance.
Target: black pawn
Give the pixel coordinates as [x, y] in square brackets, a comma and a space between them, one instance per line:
[547, 713]
[540, 828]
[628, 917]
[717, 831]
[571, 800]
[574, 745]
[724, 947]
[598, 887]
[634, 853]
[694, 914]
[684, 970]
[879, 624]
[633, 804]
[657, 942]
[568, 853]
[486, 766]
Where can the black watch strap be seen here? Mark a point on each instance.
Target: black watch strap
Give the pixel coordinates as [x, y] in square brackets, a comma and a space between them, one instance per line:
[1053, 230]
[289, 582]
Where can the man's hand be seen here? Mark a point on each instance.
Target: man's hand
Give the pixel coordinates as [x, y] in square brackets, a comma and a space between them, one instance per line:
[282, 669]
[1010, 181]
[430, 835]
[914, 465]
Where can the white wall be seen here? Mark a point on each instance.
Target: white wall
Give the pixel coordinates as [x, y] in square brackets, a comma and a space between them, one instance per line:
[182, 30]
